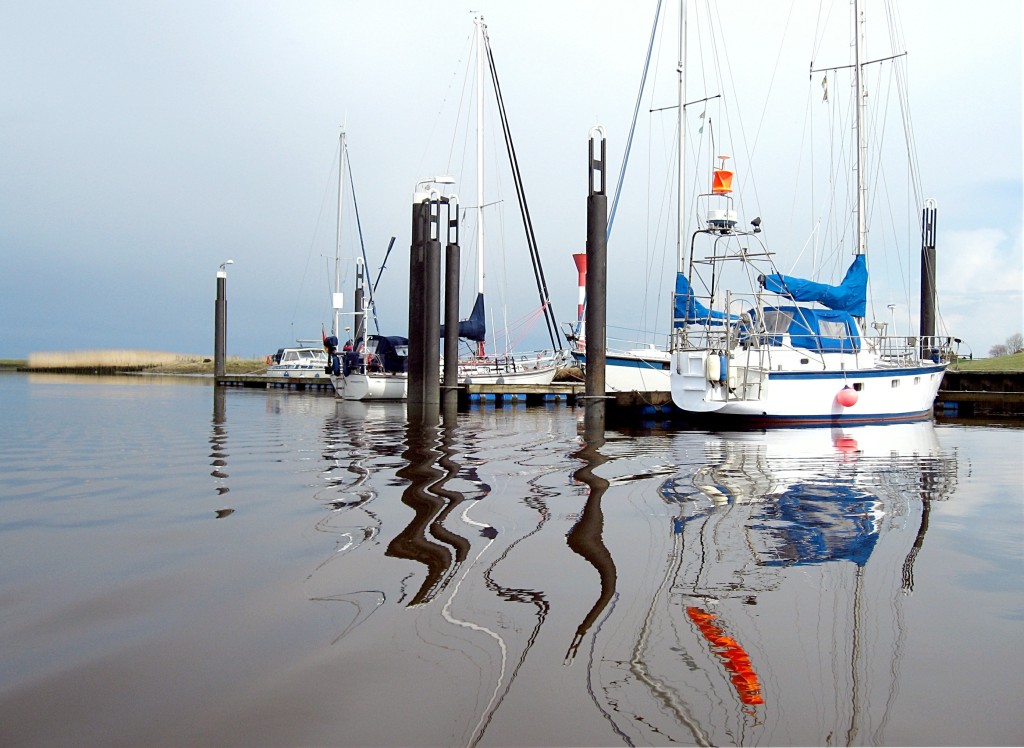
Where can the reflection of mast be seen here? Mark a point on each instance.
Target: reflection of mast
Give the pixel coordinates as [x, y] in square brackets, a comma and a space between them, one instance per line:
[585, 538]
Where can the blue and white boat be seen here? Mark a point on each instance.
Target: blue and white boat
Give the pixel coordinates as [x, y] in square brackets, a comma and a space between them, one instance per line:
[750, 343]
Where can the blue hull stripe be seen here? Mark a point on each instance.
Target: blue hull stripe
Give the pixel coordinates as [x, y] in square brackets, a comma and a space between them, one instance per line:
[856, 373]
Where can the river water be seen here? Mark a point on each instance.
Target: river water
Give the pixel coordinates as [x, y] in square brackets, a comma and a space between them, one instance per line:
[189, 565]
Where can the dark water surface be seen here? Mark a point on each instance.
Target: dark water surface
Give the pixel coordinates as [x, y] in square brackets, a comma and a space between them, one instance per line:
[185, 566]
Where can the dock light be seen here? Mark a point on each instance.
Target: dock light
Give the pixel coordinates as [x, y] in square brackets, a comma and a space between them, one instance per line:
[222, 272]
[421, 193]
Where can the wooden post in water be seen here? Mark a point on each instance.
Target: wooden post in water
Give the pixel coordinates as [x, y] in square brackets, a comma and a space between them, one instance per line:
[928, 218]
[450, 392]
[597, 287]
[417, 262]
[220, 320]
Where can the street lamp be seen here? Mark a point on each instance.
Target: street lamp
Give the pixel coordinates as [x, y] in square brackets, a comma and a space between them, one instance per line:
[222, 273]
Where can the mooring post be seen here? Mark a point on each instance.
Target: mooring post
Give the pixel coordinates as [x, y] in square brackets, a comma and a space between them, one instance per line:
[450, 390]
[929, 216]
[417, 262]
[597, 285]
[432, 306]
[220, 320]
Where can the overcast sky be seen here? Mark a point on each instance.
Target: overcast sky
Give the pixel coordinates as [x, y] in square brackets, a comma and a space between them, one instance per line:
[144, 143]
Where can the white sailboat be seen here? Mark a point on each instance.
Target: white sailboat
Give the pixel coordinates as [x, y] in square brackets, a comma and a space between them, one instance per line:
[368, 366]
[483, 367]
[754, 345]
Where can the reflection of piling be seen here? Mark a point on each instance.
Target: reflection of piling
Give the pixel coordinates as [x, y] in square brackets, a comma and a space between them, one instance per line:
[220, 323]
[587, 536]
[452, 259]
[928, 219]
[597, 286]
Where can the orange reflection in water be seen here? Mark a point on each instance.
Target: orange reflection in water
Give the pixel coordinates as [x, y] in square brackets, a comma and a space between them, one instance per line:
[735, 658]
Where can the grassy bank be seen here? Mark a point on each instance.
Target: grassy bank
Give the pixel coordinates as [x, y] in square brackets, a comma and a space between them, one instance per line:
[1013, 362]
[158, 362]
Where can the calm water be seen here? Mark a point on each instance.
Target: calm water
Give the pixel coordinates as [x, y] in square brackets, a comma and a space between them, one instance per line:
[185, 566]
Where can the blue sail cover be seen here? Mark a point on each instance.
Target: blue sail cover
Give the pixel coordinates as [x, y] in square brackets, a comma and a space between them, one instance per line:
[474, 327]
[849, 296]
[688, 310]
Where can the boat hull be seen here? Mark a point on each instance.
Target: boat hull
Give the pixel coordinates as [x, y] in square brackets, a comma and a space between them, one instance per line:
[298, 371]
[641, 370]
[487, 375]
[372, 386]
[879, 394]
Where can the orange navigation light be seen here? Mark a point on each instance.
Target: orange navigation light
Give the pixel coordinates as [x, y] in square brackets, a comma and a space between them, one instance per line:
[721, 184]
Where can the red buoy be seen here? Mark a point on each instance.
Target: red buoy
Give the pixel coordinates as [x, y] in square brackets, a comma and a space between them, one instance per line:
[847, 396]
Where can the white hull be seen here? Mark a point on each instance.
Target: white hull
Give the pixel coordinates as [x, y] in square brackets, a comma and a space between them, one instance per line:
[371, 386]
[298, 371]
[639, 370]
[470, 373]
[807, 394]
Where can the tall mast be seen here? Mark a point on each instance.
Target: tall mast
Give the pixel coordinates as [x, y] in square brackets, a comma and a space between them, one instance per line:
[862, 144]
[336, 301]
[480, 163]
[681, 125]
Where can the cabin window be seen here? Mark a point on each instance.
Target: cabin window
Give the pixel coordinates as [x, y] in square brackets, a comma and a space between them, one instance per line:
[830, 329]
[858, 386]
[895, 383]
[805, 361]
[776, 321]
[917, 380]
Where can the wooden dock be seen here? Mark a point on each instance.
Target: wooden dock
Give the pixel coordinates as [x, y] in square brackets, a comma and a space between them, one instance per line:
[263, 381]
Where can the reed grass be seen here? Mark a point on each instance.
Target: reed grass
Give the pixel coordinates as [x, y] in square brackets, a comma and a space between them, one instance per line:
[105, 361]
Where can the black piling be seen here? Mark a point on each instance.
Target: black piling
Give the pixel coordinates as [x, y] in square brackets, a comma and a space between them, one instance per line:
[417, 263]
[452, 259]
[929, 216]
[597, 287]
[360, 304]
[220, 323]
[424, 381]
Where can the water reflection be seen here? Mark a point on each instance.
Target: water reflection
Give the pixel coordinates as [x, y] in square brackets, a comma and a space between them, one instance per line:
[789, 565]
[585, 538]
[218, 448]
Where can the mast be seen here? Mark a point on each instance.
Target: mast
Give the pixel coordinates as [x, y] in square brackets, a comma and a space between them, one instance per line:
[337, 299]
[480, 164]
[680, 179]
[862, 145]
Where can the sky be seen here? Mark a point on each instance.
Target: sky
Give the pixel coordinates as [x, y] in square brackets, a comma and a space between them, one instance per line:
[145, 143]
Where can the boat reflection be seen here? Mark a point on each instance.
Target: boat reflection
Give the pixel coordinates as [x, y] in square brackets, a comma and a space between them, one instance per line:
[815, 527]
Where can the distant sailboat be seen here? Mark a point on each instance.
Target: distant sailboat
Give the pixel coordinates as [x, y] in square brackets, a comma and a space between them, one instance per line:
[368, 366]
[483, 367]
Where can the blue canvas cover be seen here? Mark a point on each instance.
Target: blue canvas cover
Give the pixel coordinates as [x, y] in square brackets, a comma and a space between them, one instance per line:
[849, 296]
[473, 328]
[688, 310]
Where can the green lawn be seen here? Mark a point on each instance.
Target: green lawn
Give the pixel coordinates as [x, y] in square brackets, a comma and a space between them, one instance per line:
[1013, 362]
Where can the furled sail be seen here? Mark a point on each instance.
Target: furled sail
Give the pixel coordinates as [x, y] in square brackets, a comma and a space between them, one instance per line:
[474, 327]
[849, 296]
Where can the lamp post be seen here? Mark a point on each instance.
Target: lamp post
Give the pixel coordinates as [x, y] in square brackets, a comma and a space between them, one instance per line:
[220, 322]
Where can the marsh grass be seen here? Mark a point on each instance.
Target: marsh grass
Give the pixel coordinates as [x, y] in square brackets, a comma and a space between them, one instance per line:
[106, 361]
